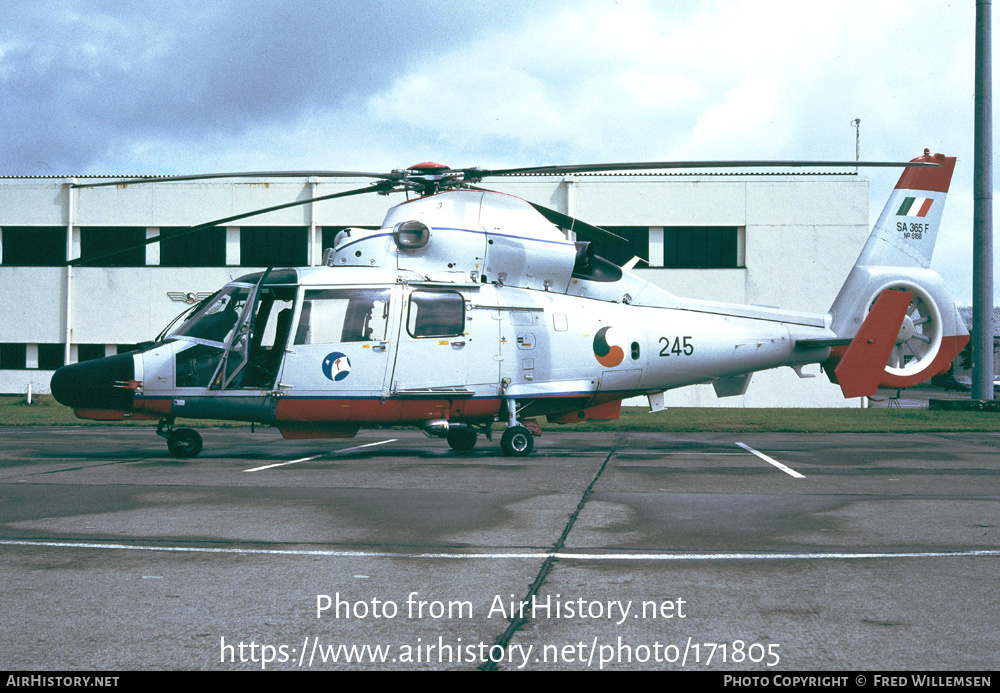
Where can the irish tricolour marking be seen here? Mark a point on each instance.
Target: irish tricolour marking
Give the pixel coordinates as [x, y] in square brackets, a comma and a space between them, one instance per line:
[915, 207]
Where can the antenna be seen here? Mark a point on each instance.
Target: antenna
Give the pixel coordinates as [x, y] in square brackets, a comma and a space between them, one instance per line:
[857, 140]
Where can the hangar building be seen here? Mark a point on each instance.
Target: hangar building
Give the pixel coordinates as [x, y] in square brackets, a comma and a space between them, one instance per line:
[764, 238]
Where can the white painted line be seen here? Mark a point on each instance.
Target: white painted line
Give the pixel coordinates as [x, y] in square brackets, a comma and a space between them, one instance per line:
[768, 556]
[786, 470]
[334, 452]
[760, 556]
[653, 453]
[282, 464]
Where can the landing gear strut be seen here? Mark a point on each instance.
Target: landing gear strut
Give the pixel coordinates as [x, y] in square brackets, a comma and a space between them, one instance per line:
[517, 441]
[182, 442]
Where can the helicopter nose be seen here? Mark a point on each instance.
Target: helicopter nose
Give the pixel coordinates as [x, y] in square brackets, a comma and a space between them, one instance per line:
[96, 384]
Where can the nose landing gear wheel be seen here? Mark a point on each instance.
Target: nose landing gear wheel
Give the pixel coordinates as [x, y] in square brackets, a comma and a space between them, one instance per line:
[184, 442]
[517, 441]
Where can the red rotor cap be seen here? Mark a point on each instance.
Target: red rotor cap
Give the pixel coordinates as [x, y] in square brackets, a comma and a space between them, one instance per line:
[428, 166]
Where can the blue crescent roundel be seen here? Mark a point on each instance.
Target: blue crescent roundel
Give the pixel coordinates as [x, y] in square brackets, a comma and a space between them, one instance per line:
[336, 366]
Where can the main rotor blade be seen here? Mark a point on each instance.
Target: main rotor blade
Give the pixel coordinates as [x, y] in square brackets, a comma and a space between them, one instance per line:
[380, 187]
[259, 174]
[564, 221]
[581, 228]
[475, 173]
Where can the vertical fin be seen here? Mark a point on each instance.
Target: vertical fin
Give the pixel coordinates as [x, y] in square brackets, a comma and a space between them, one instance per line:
[906, 231]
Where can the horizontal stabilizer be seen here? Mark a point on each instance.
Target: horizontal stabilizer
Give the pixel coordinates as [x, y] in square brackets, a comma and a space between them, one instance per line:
[821, 343]
[860, 370]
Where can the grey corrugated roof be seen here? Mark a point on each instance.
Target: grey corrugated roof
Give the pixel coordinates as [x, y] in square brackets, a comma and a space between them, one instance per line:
[966, 313]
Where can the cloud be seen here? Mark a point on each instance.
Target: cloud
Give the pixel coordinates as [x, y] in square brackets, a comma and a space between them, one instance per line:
[81, 76]
[151, 87]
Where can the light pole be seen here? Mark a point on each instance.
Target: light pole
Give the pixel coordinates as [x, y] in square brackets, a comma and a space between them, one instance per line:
[982, 238]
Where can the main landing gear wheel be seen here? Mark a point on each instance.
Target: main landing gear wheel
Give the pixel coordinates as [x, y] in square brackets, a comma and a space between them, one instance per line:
[184, 442]
[517, 441]
[462, 439]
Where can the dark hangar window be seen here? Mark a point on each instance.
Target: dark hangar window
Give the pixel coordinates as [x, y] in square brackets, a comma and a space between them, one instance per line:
[620, 253]
[202, 248]
[89, 352]
[51, 356]
[13, 357]
[701, 247]
[274, 246]
[33, 246]
[113, 247]
[330, 233]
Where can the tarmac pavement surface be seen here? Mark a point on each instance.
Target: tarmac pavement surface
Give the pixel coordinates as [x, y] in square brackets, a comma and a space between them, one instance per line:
[660, 551]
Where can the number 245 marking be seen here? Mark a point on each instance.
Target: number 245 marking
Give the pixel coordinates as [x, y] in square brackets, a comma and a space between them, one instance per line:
[685, 348]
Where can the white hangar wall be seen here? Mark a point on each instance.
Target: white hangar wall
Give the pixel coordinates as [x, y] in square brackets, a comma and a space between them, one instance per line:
[792, 241]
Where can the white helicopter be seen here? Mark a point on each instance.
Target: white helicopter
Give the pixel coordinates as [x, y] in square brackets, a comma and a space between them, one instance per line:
[470, 307]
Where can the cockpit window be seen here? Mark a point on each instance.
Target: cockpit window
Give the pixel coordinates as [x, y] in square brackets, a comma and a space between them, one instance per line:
[255, 351]
[215, 320]
[343, 315]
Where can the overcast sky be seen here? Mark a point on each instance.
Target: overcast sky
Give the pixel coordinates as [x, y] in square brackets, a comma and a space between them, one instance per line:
[116, 87]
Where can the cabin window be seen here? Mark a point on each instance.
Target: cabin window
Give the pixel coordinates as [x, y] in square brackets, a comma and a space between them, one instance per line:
[343, 315]
[436, 314]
